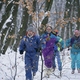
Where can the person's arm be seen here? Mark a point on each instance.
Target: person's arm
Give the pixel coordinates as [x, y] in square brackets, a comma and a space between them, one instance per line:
[68, 44]
[38, 44]
[42, 41]
[22, 46]
[62, 44]
[72, 41]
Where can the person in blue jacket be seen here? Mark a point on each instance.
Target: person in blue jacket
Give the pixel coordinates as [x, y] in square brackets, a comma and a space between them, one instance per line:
[30, 44]
[48, 35]
[48, 43]
[60, 46]
[74, 45]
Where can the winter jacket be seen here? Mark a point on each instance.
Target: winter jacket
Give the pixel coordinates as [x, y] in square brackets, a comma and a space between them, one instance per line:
[48, 44]
[74, 42]
[44, 38]
[60, 44]
[30, 46]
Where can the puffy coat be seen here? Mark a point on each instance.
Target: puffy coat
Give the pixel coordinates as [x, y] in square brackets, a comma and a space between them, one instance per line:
[45, 37]
[48, 46]
[74, 42]
[60, 44]
[30, 46]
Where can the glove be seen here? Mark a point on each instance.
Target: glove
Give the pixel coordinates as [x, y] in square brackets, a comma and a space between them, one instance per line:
[40, 53]
[61, 49]
[69, 48]
[21, 51]
[38, 49]
[47, 39]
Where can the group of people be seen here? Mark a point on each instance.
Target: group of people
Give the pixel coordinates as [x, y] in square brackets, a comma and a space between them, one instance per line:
[50, 45]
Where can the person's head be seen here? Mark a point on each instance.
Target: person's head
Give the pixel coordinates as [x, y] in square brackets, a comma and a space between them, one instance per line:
[48, 29]
[31, 31]
[76, 33]
[79, 32]
[55, 32]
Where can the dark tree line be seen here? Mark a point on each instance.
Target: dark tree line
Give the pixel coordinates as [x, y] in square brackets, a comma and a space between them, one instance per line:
[17, 15]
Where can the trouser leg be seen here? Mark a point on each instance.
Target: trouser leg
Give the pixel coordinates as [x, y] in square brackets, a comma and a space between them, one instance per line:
[59, 61]
[73, 61]
[54, 64]
[78, 60]
[28, 69]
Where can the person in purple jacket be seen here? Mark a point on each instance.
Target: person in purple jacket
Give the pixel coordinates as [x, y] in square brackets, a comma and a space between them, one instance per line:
[48, 43]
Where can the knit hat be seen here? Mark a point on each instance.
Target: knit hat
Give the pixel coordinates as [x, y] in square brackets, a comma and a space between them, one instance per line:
[76, 32]
[31, 28]
[55, 31]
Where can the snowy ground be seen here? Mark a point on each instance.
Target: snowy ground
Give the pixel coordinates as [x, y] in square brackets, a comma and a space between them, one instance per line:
[8, 68]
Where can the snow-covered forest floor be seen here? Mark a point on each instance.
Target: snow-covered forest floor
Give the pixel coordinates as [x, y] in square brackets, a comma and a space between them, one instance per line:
[12, 67]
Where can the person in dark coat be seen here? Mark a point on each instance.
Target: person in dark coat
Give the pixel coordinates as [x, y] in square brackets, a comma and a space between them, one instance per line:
[60, 46]
[30, 44]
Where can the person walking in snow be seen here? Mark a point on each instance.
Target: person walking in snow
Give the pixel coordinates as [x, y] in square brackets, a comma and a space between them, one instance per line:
[30, 44]
[48, 42]
[74, 45]
[60, 47]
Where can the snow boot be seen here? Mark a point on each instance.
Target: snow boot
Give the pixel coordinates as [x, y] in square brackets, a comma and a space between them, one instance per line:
[53, 69]
[34, 74]
[60, 73]
[78, 70]
[72, 71]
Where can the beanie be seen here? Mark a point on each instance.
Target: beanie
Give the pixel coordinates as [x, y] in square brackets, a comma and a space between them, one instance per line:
[76, 31]
[55, 31]
[30, 28]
